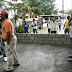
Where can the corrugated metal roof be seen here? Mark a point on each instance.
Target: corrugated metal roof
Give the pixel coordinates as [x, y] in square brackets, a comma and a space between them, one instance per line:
[48, 15]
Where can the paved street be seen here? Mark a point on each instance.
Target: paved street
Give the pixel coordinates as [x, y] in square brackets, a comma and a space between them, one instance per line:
[41, 58]
[45, 30]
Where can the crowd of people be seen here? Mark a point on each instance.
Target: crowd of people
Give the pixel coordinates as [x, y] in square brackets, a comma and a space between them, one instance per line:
[53, 25]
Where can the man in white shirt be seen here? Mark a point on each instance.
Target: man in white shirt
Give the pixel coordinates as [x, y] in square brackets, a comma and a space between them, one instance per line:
[34, 26]
[49, 27]
[53, 24]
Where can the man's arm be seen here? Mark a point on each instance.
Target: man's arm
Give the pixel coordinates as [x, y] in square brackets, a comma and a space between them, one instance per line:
[8, 37]
[35, 23]
[48, 23]
[65, 23]
[32, 24]
[69, 23]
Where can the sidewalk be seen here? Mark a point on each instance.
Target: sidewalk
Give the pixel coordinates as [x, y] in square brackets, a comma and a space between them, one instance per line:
[42, 31]
[41, 58]
[45, 31]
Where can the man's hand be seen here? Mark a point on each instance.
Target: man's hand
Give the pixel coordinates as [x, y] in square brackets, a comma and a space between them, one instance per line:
[34, 24]
[31, 25]
[8, 43]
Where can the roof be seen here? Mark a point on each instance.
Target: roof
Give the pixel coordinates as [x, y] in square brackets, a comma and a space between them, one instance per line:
[48, 15]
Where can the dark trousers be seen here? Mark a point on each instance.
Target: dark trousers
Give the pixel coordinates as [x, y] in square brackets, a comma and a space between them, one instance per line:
[53, 32]
[49, 30]
[59, 27]
[2, 51]
[34, 30]
[66, 30]
[26, 31]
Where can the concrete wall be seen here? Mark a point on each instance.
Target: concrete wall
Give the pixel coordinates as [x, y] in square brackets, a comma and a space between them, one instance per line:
[53, 39]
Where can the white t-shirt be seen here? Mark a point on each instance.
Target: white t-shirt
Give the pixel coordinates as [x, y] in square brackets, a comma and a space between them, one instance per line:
[49, 26]
[53, 25]
[34, 27]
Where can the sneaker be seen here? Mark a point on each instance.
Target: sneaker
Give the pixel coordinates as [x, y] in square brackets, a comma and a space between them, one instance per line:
[70, 56]
[1, 56]
[8, 71]
[16, 65]
[70, 59]
[5, 58]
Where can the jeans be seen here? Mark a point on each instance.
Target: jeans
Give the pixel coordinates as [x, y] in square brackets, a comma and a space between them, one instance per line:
[2, 51]
[66, 30]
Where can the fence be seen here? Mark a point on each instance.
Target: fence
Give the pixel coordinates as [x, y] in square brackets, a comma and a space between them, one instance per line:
[53, 39]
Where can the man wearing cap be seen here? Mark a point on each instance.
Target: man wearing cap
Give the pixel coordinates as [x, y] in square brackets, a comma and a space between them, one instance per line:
[10, 41]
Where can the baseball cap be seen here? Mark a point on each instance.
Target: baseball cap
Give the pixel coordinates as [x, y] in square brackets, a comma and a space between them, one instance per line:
[4, 12]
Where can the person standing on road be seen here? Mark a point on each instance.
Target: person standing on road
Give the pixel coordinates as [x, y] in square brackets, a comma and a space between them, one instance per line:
[60, 23]
[53, 24]
[70, 24]
[26, 26]
[10, 41]
[67, 27]
[49, 27]
[2, 51]
[34, 25]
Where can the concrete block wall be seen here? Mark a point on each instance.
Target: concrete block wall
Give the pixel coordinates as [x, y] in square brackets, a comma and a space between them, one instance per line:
[54, 39]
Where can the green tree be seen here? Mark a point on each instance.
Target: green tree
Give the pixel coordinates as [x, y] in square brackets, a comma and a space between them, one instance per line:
[56, 11]
[1, 3]
[69, 12]
[21, 9]
[41, 6]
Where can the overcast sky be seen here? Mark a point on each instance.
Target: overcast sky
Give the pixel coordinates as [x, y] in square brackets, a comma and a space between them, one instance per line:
[67, 4]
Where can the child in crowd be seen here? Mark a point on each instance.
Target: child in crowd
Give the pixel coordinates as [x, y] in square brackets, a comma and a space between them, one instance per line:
[26, 26]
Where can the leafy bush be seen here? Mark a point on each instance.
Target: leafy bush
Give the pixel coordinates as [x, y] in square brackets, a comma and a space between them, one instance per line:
[20, 29]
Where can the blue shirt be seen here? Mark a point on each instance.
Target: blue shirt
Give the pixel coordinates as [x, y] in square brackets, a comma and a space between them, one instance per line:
[26, 27]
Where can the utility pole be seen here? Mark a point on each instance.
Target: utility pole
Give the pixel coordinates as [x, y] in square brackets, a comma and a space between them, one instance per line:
[71, 4]
[63, 8]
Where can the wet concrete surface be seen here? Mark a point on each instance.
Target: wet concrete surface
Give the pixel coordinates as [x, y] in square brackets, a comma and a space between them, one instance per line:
[41, 58]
